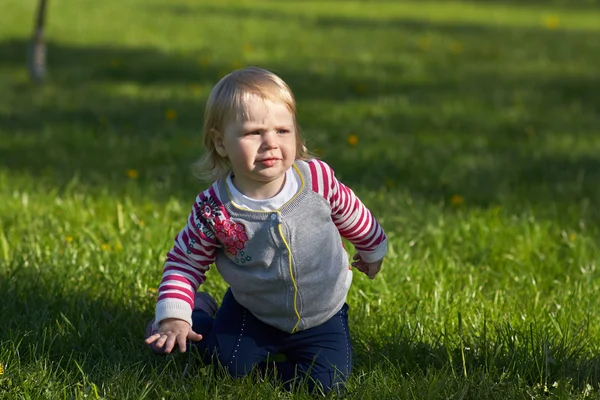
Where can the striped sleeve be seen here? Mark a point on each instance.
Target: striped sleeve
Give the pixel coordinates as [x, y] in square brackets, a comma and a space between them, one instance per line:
[353, 220]
[187, 262]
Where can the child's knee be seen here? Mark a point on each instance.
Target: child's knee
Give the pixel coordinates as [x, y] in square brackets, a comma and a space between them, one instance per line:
[315, 380]
[328, 381]
[231, 364]
[238, 369]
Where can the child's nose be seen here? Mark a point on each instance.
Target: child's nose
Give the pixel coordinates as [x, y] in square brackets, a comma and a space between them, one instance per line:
[270, 139]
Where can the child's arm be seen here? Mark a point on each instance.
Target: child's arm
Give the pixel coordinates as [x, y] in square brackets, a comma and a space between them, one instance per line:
[353, 220]
[187, 262]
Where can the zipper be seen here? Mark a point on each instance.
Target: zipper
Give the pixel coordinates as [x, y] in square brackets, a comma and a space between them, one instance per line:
[289, 251]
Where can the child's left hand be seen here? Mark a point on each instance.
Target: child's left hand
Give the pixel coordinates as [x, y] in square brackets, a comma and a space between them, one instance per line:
[370, 269]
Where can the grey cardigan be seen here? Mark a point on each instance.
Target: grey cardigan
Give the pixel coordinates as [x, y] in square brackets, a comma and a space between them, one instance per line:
[292, 272]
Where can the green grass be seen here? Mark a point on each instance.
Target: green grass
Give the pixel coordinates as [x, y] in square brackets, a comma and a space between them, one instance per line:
[479, 143]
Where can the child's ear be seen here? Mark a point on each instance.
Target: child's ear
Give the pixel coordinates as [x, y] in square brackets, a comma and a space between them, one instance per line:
[218, 141]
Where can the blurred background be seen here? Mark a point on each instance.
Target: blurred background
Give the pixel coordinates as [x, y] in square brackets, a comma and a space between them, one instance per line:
[449, 100]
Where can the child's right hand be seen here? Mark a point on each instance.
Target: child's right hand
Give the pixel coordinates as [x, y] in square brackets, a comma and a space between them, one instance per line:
[170, 332]
[368, 268]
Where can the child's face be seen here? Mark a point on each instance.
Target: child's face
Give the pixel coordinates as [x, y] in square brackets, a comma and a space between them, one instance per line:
[261, 147]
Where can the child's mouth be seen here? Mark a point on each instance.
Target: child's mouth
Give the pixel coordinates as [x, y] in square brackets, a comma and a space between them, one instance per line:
[269, 162]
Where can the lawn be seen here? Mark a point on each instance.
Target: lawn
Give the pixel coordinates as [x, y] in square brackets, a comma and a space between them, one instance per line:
[471, 129]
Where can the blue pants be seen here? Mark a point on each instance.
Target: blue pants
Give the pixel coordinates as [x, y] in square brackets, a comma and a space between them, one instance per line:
[239, 342]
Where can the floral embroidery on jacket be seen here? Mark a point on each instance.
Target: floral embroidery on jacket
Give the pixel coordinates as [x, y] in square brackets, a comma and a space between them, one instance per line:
[232, 235]
[206, 213]
[213, 223]
[242, 258]
[190, 245]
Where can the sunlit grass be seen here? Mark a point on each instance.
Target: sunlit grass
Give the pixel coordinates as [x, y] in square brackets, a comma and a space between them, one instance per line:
[469, 128]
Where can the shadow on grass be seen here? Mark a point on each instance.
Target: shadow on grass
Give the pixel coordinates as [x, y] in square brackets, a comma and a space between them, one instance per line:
[92, 332]
[70, 67]
[80, 125]
[92, 122]
[63, 331]
[533, 357]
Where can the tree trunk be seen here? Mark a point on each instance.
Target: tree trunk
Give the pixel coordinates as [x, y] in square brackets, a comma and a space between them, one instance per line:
[37, 50]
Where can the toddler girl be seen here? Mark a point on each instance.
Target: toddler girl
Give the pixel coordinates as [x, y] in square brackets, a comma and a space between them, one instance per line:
[272, 224]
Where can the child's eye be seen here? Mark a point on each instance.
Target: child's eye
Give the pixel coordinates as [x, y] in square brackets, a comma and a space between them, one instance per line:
[281, 131]
[253, 133]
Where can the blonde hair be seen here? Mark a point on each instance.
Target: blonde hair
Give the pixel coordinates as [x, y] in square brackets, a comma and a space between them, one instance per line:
[227, 100]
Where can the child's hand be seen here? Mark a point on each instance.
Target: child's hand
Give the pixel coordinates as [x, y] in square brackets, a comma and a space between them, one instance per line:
[370, 269]
[170, 332]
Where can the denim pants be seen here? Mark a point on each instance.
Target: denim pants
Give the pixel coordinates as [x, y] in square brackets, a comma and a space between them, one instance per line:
[239, 341]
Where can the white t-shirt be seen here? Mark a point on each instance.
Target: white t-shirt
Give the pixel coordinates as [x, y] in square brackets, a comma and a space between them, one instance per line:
[290, 188]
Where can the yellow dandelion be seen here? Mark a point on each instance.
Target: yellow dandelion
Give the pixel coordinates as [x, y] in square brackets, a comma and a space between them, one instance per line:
[572, 237]
[133, 173]
[105, 247]
[203, 61]
[529, 131]
[425, 43]
[237, 65]
[1, 370]
[170, 114]
[196, 88]
[456, 47]
[247, 48]
[116, 62]
[551, 21]
[152, 290]
[352, 140]
[68, 239]
[359, 88]
[457, 200]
